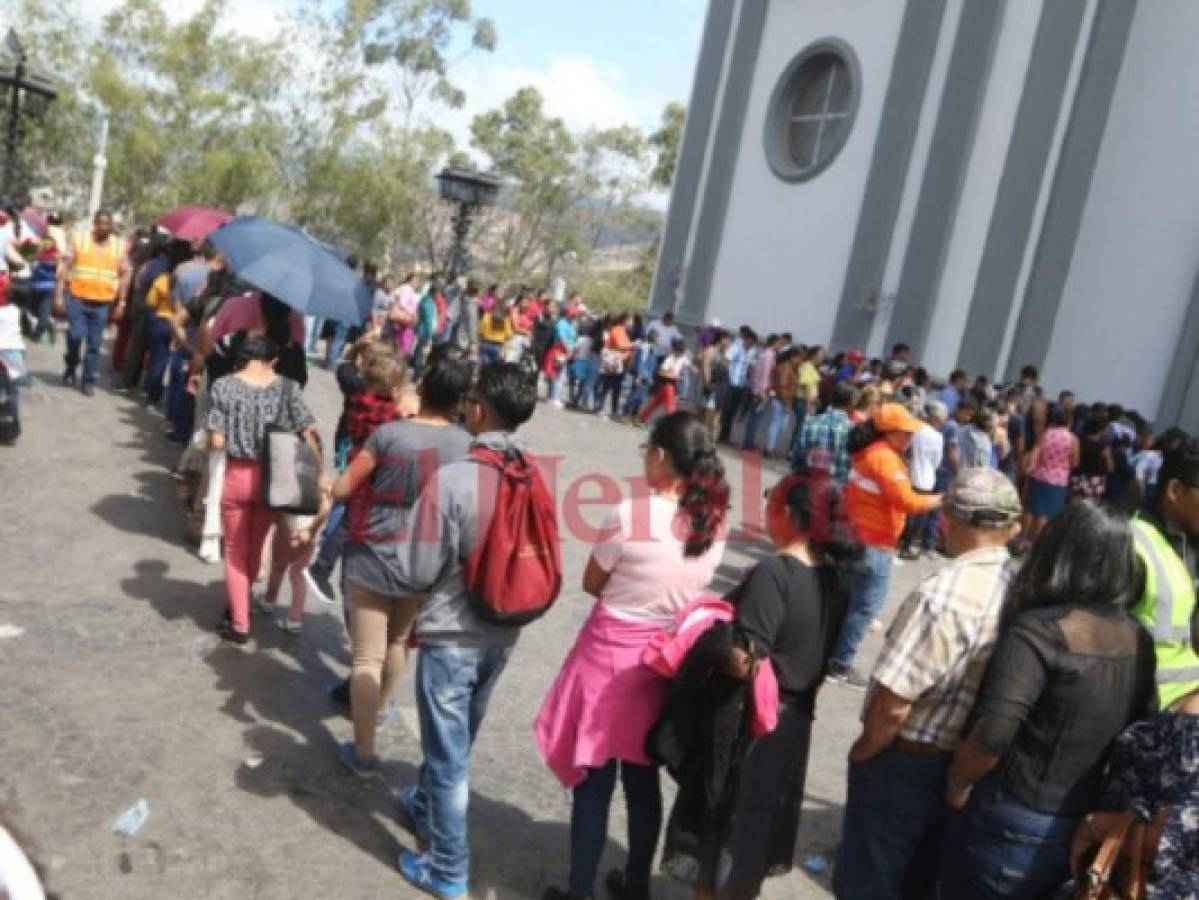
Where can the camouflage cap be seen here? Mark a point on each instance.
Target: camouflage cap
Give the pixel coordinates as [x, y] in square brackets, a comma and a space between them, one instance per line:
[984, 498]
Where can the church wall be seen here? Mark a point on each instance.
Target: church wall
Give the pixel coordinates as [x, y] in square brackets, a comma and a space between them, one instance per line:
[782, 258]
[1137, 253]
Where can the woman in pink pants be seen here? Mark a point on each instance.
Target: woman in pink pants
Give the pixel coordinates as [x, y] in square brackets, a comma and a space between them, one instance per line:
[241, 408]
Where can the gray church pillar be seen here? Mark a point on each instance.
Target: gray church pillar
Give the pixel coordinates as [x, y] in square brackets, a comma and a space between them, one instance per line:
[897, 127]
[1180, 398]
[701, 262]
[948, 157]
[1020, 184]
[1071, 183]
[708, 69]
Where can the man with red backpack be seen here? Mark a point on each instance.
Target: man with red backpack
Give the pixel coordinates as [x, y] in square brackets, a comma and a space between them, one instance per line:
[483, 554]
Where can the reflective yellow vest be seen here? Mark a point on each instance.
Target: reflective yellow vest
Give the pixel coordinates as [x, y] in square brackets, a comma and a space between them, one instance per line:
[96, 272]
[1166, 608]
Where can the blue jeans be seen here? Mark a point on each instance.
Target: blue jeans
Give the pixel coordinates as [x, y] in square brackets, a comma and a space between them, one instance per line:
[800, 408]
[592, 799]
[87, 321]
[490, 352]
[181, 406]
[776, 426]
[159, 346]
[43, 303]
[453, 687]
[997, 847]
[336, 344]
[333, 541]
[637, 395]
[757, 411]
[868, 582]
[891, 837]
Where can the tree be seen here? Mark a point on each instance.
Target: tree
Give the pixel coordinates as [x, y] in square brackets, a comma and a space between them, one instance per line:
[666, 141]
[534, 153]
[417, 36]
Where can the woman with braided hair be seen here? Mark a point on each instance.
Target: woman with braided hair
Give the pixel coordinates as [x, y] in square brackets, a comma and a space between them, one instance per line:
[654, 555]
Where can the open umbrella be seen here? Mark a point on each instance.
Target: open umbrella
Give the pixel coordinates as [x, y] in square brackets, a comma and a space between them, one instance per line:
[304, 273]
[193, 223]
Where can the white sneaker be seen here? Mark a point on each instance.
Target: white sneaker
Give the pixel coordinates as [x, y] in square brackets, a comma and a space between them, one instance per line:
[210, 550]
[557, 404]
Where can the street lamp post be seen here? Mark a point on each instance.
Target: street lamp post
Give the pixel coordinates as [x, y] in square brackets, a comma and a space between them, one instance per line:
[38, 94]
[471, 191]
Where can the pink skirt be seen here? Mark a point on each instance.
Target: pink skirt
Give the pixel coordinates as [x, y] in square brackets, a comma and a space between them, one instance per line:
[603, 702]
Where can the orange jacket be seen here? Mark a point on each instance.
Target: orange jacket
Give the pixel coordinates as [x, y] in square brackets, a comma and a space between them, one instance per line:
[880, 496]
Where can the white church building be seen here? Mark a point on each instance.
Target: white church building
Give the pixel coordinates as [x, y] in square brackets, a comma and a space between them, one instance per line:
[994, 182]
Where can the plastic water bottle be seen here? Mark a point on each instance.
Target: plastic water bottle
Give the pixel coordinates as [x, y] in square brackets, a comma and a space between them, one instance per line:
[130, 822]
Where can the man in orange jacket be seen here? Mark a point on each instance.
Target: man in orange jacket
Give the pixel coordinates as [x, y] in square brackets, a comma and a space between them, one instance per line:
[879, 499]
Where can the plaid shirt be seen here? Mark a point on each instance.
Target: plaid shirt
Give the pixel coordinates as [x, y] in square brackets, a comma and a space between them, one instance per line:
[364, 413]
[824, 443]
[938, 647]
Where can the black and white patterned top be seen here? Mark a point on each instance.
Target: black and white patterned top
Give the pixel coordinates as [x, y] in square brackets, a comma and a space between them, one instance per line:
[1155, 765]
[242, 411]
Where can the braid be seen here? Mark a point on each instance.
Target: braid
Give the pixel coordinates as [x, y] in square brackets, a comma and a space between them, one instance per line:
[705, 500]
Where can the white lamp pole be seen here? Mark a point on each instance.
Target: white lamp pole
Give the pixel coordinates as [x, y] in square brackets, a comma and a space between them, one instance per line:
[99, 163]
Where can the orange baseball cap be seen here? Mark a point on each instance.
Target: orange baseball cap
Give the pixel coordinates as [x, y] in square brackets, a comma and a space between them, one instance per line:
[893, 417]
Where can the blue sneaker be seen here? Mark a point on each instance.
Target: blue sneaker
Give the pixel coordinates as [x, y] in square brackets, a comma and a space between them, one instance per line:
[413, 816]
[418, 872]
[363, 768]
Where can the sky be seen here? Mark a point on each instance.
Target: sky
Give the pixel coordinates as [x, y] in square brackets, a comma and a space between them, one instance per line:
[597, 62]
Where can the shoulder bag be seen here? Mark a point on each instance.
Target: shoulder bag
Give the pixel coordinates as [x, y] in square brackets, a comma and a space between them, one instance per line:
[290, 474]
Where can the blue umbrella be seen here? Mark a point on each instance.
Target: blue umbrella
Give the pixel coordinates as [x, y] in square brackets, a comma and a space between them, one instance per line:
[306, 274]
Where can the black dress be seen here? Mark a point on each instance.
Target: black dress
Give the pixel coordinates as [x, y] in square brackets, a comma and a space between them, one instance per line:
[791, 613]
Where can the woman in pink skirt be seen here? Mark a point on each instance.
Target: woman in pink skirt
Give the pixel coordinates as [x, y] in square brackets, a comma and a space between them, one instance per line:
[655, 554]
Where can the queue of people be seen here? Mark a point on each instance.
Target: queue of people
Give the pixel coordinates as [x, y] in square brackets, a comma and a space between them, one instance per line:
[1020, 713]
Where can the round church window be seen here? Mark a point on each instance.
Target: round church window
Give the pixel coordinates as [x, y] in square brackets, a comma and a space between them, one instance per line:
[812, 110]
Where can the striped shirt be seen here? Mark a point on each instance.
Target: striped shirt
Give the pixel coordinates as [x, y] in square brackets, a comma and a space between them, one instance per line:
[938, 647]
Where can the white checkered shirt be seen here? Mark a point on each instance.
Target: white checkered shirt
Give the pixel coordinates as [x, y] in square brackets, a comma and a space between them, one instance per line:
[938, 647]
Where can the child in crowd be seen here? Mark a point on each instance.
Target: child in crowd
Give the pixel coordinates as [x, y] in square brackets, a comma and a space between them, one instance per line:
[291, 551]
[12, 359]
[641, 370]
[669, 375]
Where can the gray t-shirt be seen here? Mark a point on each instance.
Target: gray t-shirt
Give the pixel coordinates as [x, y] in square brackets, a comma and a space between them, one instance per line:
[407, 455]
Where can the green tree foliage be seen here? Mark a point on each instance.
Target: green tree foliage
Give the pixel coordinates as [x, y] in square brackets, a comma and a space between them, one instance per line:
[666, 141]
[534, 152]
[325, 122]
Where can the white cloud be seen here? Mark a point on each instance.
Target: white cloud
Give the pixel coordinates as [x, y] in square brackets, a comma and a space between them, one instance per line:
[577, 89]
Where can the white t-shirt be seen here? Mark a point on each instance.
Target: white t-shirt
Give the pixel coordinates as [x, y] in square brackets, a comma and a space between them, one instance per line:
[10, 328]
[641, 548]
[927, 447]
[674, 365]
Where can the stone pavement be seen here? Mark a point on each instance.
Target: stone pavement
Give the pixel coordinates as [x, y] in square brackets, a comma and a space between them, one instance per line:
[115, 690]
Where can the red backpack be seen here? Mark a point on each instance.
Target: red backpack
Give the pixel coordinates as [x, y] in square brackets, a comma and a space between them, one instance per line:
[514, 574]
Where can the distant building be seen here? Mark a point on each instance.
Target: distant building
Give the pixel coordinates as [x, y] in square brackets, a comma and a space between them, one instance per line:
[995, 183]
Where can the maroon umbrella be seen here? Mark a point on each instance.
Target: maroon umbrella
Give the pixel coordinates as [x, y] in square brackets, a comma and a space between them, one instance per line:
[35, 220]
[194, 223]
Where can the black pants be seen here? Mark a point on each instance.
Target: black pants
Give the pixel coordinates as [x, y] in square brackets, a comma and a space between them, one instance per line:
[589, 824]
[609, 384]
[734, 399]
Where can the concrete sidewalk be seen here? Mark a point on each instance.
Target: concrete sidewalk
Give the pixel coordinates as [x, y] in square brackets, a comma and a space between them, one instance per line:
[115, 689]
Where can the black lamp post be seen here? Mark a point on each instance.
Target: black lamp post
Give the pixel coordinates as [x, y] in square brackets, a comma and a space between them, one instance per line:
[471, 191]
[38, 94]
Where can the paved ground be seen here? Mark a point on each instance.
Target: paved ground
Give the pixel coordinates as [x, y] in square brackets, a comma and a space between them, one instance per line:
[115, 691]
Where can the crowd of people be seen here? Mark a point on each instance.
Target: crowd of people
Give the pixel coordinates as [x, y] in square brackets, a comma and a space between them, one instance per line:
[1034, 696]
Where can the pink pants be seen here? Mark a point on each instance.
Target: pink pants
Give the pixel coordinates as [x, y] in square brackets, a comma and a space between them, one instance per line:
[245, 522]
[666, 396]
[291, 561]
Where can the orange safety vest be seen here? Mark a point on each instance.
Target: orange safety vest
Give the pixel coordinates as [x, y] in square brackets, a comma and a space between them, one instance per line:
[96, 270]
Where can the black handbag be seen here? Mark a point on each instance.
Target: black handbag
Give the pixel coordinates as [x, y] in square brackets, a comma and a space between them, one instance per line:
[290, 473]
